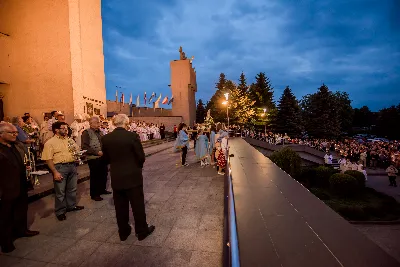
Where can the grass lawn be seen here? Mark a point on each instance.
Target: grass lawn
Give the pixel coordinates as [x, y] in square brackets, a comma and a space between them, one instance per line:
[369, 205]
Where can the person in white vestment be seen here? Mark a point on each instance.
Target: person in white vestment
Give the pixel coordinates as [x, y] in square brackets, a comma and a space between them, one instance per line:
[77, 129]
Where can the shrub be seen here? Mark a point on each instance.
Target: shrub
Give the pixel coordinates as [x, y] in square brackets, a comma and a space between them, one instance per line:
[288, 160]
[359, 176]
[344, 184]
[308, 176]
[322, 176]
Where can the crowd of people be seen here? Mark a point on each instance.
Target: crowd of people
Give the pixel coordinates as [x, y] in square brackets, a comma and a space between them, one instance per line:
[353, 153]
[110, 147]
[118, 151]
[210, 144]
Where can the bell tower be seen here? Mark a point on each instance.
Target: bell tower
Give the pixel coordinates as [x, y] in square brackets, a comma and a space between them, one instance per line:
[183, 87]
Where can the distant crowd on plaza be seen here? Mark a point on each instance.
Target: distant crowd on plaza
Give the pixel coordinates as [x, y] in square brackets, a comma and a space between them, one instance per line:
[377, 154]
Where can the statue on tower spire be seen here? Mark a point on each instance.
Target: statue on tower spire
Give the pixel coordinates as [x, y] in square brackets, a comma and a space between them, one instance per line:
[182, 55]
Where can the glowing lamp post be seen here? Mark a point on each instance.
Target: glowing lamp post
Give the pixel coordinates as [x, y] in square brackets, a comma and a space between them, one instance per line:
[226, 102]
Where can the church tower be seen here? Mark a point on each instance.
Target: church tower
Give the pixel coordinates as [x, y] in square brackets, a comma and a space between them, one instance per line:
[183, 87]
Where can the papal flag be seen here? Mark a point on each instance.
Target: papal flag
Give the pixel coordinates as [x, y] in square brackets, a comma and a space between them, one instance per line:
[165, 101]
[138, 101]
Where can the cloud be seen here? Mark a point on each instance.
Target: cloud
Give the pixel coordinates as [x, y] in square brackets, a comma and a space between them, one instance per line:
[348, 45]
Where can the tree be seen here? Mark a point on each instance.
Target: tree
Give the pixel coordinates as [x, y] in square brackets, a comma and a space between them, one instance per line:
[388, 122]
[345, 111]
[363, 117]
[200, 112]
[241, 109]
[320, 114]
[288, 119]
[218, 111]
[242, 86]
[262, 92]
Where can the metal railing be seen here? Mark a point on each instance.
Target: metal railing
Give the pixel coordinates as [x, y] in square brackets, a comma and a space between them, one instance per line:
[231, 244]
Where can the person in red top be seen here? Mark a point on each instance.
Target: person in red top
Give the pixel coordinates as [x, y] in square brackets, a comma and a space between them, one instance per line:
[175, 131]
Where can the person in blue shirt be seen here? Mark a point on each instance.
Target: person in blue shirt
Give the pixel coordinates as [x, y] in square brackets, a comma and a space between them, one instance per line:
[182, 142]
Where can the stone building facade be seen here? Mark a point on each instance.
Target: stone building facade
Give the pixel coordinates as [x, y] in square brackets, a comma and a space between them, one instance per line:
[51, 57]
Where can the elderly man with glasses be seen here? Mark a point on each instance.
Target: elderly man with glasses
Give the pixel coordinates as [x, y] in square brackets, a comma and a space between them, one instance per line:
[13, 189]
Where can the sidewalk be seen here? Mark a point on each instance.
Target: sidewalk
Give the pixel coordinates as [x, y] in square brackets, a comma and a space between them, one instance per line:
[46, 181]
[184, 203]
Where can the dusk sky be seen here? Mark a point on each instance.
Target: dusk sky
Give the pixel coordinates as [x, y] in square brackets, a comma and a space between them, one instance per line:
[350, 45]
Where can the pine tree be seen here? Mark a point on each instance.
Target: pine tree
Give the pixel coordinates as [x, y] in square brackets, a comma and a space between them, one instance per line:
[241, 109]
[200, 112]
[320, 114]
[215, 104]
[346, 112]
[262, 92]
[242, 86]
[288, 118]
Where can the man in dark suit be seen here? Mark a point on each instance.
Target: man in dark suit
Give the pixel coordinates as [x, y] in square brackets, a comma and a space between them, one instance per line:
[13, 189]
[124, 152]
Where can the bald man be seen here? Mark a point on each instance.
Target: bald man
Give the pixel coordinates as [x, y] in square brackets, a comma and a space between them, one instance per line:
[13, 189]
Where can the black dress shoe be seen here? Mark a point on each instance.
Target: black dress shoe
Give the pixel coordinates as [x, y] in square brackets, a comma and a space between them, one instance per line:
[61, 217]
[106, 192]
[150, 230]
[8, 248]
[29, 233]
[124, 237]
[76, 208]
[97, 198]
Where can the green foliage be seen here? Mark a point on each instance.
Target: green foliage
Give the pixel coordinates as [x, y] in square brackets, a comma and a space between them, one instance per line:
[359, 177]
[242, 86]
[262, 92]
[345, 111]
[288, 117]
[218, 111]
[200, 112]
[320, 114]
[344, 184]
[387, 124]
[288, 160]
[368, 205]
[322, 176]
[363, 117]
[241, 108]
[307, 176]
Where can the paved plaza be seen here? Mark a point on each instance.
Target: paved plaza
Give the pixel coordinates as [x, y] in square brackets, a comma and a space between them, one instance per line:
[184, 203]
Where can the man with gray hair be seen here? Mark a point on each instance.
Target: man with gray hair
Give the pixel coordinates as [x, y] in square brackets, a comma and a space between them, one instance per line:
[91, 141]
[124, 151]
[13, 189]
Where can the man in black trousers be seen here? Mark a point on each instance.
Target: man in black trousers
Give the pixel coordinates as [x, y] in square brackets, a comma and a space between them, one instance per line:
[91, 141]
[13, 189]
[123, 150]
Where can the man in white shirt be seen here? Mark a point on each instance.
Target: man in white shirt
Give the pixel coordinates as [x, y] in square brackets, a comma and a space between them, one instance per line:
[328, 158]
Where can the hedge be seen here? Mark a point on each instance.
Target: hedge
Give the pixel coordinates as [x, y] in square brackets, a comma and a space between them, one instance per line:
[359, 176]
[344, 184]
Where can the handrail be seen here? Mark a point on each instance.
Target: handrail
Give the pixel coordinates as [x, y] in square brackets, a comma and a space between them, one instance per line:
[231, 244]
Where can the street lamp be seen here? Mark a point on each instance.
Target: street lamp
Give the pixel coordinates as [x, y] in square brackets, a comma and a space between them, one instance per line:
[226, 102]
[265, 125]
